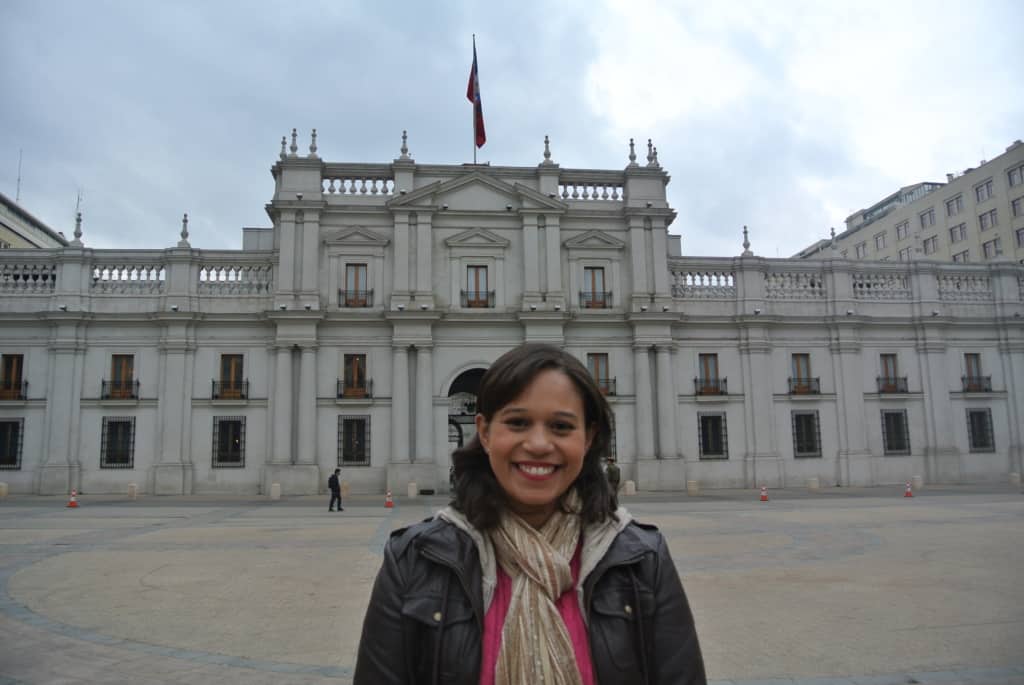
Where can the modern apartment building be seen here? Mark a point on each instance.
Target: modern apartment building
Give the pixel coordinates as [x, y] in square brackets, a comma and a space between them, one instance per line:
[19, 229]
[975, 216]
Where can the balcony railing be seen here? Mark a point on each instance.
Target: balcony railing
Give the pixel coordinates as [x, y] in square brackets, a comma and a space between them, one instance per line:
[354, 390]
[596, 299]
[478, 299]
[710, 386]
[892, 384]
[119, 390]
[977, 383]
[355, 298]
[14, 391]
[230, 390]
[606, 385]
[804, 386]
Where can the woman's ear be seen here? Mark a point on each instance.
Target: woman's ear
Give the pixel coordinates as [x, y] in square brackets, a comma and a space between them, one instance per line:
[591, 432]
[483, 431]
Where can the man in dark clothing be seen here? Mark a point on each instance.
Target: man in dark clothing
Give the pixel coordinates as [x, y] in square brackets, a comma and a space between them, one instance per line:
[335, 487]
[612, 471]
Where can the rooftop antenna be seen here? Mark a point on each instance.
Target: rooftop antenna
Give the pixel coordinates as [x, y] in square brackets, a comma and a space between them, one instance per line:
[17, 192]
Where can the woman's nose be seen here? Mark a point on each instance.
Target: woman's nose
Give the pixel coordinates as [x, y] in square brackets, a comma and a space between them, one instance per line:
[538, 441]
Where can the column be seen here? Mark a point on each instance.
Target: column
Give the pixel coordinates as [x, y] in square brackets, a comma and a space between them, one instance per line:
[282, 414]
[638, 258]
[307, 407]
[854, 456]
[401, 270]
[531, 260]
[554, 260]
[942, 458]
[285, 275]
[310, 259]
[659, 244]
[761, 464]
[644, 408]
[59, 470]
[400, 405]
[666, 405]
[424, 404]
[169, 472]
[424, 251]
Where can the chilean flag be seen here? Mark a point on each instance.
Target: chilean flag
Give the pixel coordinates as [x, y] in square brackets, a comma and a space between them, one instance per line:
[473, 95]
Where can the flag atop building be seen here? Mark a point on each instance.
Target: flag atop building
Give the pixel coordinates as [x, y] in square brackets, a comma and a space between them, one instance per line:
[473, 95]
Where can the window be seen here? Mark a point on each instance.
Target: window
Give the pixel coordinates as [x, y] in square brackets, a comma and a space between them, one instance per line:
[11, 387]
[931, 244]
[1015, 176]
[979, 430]
[972, 363]
[1017, 206]
[973, 380]
[1020, 237]
[477, 295]
[895, 433]
[902, 230]
[356, 293]
[713, 438]
[992, 248]
[598, 365]
[354, 383]
[962, 257]
[353, 441]
[229, 441]
[117, 442]
[232, 385]
[927, 218]
[988, 219]
[983, 190]
[880, 241]
[4, 245]
[806, 434]
[122, 383]
[11, 432]
[708, 382]
[801, 382]
[904, 254]
[594, 295]
[958, 233]
[861, 250]
[888, 364]
[955, 205]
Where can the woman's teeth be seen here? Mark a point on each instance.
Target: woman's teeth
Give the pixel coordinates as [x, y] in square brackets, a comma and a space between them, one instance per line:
[536, 470]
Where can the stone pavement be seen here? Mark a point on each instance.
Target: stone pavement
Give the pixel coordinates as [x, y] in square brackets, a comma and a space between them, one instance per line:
[839, 587]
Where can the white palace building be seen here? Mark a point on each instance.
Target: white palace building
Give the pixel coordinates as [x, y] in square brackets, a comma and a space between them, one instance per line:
[354, 332]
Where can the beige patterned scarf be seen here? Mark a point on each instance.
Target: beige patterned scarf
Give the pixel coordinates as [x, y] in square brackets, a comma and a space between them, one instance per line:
[535, 644]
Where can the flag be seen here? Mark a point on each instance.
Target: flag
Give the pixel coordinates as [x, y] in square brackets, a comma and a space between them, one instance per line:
[473, 95]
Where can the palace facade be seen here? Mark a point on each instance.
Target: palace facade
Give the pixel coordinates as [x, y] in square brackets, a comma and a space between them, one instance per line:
[353, 332]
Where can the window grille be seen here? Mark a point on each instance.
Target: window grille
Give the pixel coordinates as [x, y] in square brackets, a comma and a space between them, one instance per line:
[979, 430]
[895, 432]
[806, 434]
[613, 451]
[353, 440]
[713, 437]
[12, 432]
[228, 442]
[117, 443]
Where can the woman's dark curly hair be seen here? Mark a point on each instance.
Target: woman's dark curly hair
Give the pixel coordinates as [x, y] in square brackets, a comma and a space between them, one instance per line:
[477, 494]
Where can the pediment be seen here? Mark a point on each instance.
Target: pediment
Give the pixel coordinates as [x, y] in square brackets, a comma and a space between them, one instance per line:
[356, 236]
[594, 240]
[476, 192]
[477, 237]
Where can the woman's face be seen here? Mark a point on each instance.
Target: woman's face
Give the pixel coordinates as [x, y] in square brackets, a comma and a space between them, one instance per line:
[536, 444]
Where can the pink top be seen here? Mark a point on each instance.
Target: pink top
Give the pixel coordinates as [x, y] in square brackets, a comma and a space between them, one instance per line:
[568, 608]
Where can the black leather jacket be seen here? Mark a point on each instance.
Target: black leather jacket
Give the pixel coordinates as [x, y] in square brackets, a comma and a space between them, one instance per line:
[425, 619]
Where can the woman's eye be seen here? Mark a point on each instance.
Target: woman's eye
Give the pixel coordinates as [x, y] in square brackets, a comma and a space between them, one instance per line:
[515, 423]
[562, 427]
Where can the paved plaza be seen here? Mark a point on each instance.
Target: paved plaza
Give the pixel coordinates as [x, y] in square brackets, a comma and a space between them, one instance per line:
[839, 587]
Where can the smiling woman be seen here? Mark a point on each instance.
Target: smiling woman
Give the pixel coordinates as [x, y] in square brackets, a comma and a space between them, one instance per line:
[532, 574]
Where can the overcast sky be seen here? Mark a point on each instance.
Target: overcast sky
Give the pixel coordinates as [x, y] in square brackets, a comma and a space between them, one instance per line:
[785, 116]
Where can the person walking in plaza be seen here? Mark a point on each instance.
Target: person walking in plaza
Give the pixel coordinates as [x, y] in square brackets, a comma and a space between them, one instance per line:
[532, 574]
[335, 487]
[613, 474]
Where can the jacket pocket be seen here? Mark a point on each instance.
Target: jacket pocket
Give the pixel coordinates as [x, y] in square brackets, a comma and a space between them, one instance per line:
[618, 626]
[424, 616]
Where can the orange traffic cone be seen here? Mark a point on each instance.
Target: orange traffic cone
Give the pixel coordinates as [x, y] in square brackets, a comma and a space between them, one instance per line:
[764, 493]
[73, 502]
[908, 492]
[388, 501]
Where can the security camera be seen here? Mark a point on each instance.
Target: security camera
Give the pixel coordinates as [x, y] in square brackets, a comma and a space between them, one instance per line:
[63, 307]
[402, 191]
[757, 311]
[643, 308]
[935, 312]
[444, 206]
[664, 307]
[282, 307]
[401, 307]
[508, 208]
[849, 312]
[308, 307]
[298, 196]
[533, 307]
[423, 307]
[558, 308]
[649, 204]
[174, 307]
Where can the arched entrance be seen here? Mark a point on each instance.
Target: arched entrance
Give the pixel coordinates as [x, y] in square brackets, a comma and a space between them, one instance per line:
[462, 409]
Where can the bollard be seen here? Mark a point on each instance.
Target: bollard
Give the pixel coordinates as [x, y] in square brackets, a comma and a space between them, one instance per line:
[3, 489]
[692, 488]
[412, 490]
[917, 482]
[1014, 481]
[275, 491]
[813, 484]
[133, 491]
[629, 488]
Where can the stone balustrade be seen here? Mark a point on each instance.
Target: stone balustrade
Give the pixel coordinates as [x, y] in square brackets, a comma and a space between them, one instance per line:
[965, 287]
[23, 273]
[235, 275]
[577, 185]
[127, 277]
[357, 179]
[881, 286]
[702, 281]
[785, 284]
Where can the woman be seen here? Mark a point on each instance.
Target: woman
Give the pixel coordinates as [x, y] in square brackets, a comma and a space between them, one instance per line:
[531, 576]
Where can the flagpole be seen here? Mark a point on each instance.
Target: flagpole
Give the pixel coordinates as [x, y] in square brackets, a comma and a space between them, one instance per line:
[474, 106]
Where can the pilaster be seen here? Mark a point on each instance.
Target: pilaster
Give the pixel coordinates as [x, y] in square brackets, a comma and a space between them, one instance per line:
[399, 403]
[424, 258]
[281, 407]
[667, 404]
[424, 403]
[307, 406]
